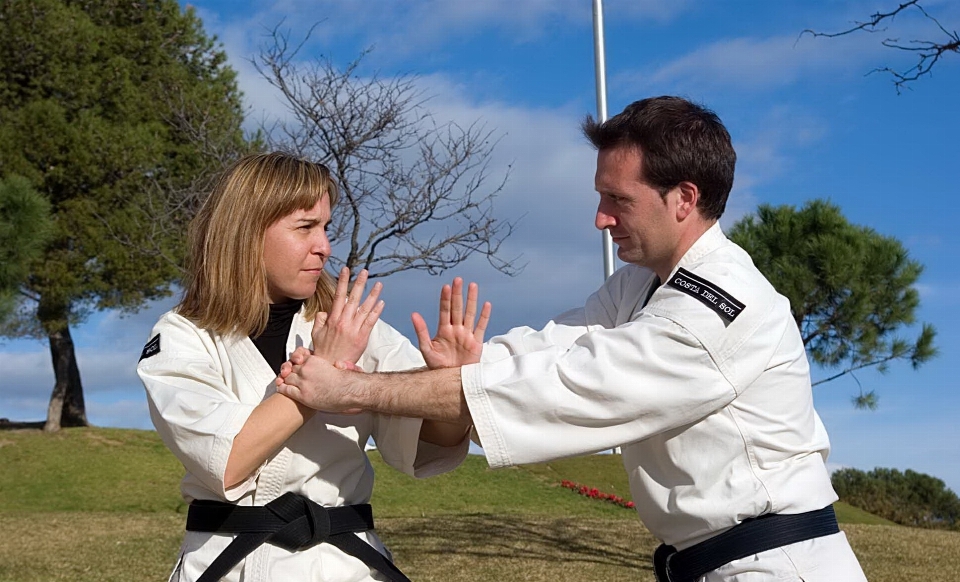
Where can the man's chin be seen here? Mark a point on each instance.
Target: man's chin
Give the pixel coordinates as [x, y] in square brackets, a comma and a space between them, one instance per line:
[628, 256]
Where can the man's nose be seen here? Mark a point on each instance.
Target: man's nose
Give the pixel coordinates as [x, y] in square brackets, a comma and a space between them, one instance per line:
[604, 220]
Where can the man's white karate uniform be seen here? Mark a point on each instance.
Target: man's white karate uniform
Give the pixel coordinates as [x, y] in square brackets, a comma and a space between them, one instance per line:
[715, 417]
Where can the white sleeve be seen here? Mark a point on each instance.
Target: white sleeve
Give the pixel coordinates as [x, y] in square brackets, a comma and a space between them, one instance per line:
[196, 414]
[610, 387]
[563, 331]
[398, 437]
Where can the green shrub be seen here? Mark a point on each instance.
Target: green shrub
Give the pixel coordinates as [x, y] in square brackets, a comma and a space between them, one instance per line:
[907, 498]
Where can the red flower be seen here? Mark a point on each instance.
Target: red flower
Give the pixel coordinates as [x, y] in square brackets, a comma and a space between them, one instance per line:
[595, 493]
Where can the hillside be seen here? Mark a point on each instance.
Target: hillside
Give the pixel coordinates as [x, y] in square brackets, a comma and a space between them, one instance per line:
[103, 504]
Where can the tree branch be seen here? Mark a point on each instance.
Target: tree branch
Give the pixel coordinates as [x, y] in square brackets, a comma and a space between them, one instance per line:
[928, 52]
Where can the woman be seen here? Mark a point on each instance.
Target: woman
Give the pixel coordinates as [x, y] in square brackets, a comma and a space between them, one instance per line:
[255, 291]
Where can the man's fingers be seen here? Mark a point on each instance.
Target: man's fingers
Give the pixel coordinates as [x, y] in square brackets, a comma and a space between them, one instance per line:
[471, 312]
[345, 365]
[290, 391]
[481, 328]
[422, 331]
[285, 369]
[456, 303]
[445, 293]
[300, 355]
[302, 352]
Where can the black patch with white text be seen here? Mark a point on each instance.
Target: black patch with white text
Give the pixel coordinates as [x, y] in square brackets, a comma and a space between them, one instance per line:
[707, 293]
[151, 349]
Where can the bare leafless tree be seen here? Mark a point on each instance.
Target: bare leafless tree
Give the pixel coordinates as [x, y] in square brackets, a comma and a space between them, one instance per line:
[928, 52]
[414, 192]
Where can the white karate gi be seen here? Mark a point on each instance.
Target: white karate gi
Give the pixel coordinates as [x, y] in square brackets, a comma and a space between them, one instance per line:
[201, 387]
[715, 419]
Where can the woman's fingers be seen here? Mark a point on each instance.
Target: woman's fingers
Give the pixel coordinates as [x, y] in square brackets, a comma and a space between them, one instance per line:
[370, 302]
[357, 292]
[366, 325]
[318, 322]
[340, 295]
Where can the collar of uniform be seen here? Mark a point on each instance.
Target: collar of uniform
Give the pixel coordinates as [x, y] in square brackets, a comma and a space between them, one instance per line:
[708, 242]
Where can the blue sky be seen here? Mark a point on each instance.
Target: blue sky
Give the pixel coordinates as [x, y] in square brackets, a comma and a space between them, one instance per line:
[806, 119]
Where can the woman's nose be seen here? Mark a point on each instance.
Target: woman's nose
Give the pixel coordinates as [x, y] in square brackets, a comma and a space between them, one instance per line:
[321, 244]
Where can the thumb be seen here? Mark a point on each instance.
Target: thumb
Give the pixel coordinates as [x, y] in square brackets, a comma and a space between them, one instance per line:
[422, 331]
[288, 390]
[344, 365]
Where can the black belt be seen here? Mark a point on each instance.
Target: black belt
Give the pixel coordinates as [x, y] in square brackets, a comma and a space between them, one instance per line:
[292, 522]
[751, 536]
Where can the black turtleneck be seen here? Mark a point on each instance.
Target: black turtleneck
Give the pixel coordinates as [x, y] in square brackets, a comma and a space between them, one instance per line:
[272, 343]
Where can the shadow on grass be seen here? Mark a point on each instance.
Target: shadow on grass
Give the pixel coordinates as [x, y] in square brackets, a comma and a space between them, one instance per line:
[569, 543]
[19, 424]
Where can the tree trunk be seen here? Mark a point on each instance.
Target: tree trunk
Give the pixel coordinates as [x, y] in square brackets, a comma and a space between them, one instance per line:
[66, 403]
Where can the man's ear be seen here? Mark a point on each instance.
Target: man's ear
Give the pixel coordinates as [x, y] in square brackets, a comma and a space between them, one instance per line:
[688, 196]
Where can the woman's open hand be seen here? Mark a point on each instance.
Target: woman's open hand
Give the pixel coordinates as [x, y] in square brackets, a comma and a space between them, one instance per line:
[342, 333]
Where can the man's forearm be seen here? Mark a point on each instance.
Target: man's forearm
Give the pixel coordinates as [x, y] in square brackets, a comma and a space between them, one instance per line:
[429, 394]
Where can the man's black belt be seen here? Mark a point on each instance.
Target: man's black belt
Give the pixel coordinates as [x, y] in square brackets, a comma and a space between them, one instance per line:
[292, 522]
[751, 536]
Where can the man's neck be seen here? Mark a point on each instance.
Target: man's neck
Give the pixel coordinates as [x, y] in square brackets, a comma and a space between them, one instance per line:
[695, 229]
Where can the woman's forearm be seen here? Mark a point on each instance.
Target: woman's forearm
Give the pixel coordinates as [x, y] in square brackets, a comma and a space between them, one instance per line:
[270, 424]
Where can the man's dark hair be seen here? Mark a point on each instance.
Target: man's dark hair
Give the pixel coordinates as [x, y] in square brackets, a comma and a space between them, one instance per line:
[679, 141]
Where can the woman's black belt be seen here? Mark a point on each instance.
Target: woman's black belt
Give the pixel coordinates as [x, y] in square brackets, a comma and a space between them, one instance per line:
[292, 522]
[749, 537]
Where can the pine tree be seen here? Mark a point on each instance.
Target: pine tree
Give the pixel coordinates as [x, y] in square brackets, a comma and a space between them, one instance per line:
[850, 288]
[117, 112]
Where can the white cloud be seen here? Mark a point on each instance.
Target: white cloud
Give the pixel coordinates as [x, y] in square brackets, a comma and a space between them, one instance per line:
[122, 409]
[939, 293]
[404, 28]
[753, 64]
[766, 152]
[29, 373]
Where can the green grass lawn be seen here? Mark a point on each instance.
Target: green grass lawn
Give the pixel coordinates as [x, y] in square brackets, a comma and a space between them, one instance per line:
[104, 504]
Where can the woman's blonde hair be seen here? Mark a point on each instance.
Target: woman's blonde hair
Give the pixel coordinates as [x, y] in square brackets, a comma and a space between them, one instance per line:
[225, 288]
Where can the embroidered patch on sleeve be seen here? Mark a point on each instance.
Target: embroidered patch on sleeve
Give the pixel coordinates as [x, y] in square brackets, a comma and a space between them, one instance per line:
[151, 349]
[709, 294]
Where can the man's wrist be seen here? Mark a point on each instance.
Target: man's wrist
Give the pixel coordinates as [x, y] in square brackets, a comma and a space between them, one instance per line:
[358, 390]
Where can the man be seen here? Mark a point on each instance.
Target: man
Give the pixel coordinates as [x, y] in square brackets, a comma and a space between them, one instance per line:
[687, 358]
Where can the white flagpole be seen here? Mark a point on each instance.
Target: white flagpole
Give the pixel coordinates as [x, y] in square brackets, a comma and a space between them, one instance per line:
[600, 66]
[599, 62]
